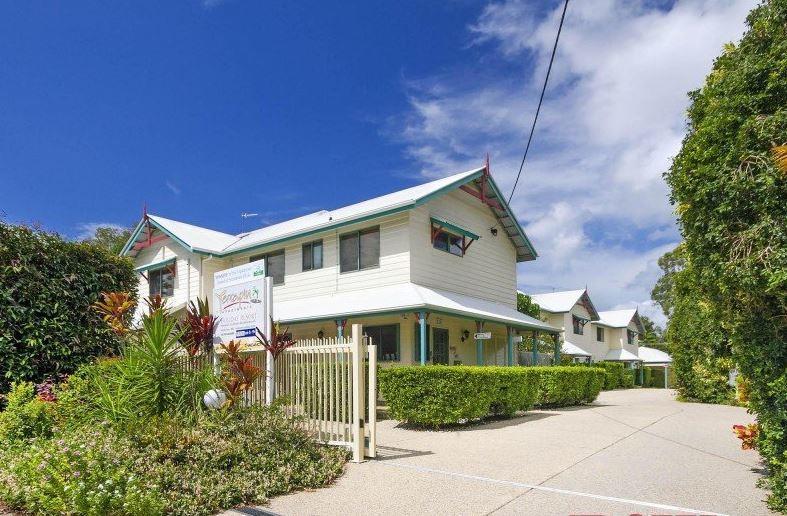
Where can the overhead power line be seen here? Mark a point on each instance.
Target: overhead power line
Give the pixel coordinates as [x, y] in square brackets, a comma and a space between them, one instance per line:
[540, 100]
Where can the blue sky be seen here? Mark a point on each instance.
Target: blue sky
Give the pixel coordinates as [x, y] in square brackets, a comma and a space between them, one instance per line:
[203, 110]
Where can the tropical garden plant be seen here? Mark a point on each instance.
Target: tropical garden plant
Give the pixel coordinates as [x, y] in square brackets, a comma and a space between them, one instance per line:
[729, 187]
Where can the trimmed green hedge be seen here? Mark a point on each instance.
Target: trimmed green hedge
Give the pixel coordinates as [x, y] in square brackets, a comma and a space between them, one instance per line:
[565, 386]
[615, 374]
[443, 395]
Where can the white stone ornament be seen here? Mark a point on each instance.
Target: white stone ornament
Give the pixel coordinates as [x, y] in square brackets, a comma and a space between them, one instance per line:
[214, 399]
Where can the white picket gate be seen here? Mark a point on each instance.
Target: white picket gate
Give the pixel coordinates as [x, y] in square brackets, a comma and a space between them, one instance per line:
[330, 384]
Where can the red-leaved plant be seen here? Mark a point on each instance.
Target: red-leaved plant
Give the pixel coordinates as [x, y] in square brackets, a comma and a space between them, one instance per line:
[156, 303]
[197, 327]
[278, 341]
[115, 309]
[239, 373]
[748, 435]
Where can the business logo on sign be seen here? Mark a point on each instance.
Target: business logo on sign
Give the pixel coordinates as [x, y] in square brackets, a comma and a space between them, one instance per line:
[247, 332]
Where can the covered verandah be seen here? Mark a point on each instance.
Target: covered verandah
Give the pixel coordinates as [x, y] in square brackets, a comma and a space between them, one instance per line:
[414, 324]
[656, 359]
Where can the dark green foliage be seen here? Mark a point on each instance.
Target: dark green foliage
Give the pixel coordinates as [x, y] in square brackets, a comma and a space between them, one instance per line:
[525, 305]
[614, 374]
[47, 286]
[563, 386]
[443, 395]
[731, 198]
[110, 238]
[654, 334]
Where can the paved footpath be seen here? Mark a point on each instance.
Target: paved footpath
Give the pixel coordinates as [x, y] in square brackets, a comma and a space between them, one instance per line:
[634, 451]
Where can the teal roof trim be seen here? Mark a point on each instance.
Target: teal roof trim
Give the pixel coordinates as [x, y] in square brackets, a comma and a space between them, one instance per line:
[156, 265]
[454, 228]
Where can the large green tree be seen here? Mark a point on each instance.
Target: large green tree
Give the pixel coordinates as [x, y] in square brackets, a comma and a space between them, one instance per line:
[731, 199]
[110, 238]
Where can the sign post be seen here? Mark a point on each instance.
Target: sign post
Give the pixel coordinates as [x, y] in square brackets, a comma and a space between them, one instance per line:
[243, 301]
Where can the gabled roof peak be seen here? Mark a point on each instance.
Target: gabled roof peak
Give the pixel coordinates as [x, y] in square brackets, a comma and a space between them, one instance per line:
[208, 241]
[564, 301]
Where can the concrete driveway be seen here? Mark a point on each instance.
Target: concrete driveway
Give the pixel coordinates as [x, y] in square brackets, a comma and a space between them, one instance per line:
[633, 451]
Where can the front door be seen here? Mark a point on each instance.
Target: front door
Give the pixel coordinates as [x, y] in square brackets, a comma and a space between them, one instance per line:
[440, 346]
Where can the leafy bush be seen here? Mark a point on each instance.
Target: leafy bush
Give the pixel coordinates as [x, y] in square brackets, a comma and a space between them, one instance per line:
[729, 187]
[615, 374]
[443, 395]
[89, 471]
[25, 417]
[242, 457]
[564, 386]
[166, 465]
[47, 287]
[629, 378]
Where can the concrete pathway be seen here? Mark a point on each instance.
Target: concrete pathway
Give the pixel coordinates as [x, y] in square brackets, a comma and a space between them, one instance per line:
[633, 451]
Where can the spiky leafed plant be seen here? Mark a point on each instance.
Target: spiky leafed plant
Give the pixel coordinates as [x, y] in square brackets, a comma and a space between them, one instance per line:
[198, 327]
[278, 341]
[115, 309]
[239, 373]
[156, 303]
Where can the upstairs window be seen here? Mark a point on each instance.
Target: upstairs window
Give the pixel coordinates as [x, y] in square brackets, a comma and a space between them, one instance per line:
[449, 243]
[630, 336]
[600, 334]
[162, 281]
[312, 255]
[579, 325]
[274, 265]
[450, 238]
[359, 250]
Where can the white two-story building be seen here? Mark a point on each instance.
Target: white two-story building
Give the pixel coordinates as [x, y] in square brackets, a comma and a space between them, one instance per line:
[435, 263]
[589, 335]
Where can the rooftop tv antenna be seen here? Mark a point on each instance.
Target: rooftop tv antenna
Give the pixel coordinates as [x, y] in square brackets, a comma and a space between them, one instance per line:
[246, 215]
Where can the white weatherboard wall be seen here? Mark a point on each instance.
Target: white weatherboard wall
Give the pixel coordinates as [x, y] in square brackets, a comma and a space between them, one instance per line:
[187, 272]
[394, 261]
[488, 269]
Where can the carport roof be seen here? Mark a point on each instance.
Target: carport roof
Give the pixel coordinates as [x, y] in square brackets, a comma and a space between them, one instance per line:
[406, 297]
[653, 356]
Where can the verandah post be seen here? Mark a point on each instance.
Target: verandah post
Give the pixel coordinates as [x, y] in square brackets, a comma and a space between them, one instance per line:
[479, 344]
[422, 330]
[534, 348]
[557, 348]
[641, 374]
[510, 354]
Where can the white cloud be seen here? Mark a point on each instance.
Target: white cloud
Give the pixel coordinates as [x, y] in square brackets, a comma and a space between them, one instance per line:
[592, 197]
[88, 229]
[172, 187]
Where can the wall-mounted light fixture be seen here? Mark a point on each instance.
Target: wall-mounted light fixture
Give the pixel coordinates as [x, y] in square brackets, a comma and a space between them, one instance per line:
[493, 230]
[465, 335]
[320, 334]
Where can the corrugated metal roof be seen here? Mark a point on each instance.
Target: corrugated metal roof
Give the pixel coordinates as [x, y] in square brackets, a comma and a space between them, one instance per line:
[405, 297]
[572, 349]
[653, 356]
[621, 355]
[208, 241]
[620, 318]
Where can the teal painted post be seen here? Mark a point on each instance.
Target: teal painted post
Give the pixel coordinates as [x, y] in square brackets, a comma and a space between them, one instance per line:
[535, 348]
[557, 349]
[510, 331]
[641, 374]
[422, 321]
[479, 344]
[339, 328]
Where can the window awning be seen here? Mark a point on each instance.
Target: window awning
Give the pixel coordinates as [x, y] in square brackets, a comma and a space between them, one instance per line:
[156, 265]
[453, 228]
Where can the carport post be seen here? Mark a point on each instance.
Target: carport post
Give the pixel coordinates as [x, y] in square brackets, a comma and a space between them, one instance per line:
[641, 374]
[557, 348]
[666, 375]
[535, 348]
